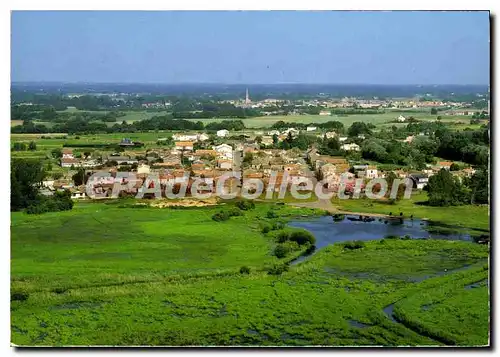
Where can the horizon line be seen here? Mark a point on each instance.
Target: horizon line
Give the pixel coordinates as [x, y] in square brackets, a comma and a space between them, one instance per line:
[247, 84]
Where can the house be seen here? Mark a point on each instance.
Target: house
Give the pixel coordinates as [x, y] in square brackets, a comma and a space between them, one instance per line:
[78, 193]
[183, 145]
[203, 137]
[325, 112]
[290, 131]
[409, 139]
[444, 165]
[207, 153]
[185, 137]
[68, 162]
[273, 132]
[420, 180]
[330, 134]
[361, 136]
[401, 118]
[224, 151]
[225, 164]
[143, 169]
[342, 138]
[267, 140]
[222, 133]
[350, 147]
[67, 153]
[371, 172]
[311, 128]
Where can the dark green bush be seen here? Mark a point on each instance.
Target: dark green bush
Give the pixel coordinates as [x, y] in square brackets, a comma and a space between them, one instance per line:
[277, 269]
[220, 216]
[302, 237]
[357, 244]
[245, 205]
[266, 228]
[282, 236]
[244, 270]
[19, 296]
[271, 214]
[280, 251]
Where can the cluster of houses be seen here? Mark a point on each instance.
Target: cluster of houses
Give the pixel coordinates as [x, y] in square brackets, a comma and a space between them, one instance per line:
[192, 154]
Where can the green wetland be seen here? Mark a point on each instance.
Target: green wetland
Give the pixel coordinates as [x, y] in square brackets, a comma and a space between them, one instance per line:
[115, 274]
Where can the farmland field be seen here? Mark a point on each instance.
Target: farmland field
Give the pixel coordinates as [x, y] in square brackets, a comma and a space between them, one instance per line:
[109, 274]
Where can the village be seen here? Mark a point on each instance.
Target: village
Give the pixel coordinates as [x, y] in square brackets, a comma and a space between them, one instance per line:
[186, 157]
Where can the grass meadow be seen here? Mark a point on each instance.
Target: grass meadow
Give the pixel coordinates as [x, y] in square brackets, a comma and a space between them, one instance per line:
[109, 274]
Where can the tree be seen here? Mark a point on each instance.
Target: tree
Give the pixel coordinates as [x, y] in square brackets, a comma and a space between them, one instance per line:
[25, 179]
[32, 146]
[275, 140]
[79, 178]
[454, 167]
[479, 186]
[445, 190]
[434, 111]
[19, 147]
[56, 153]
[358, 128]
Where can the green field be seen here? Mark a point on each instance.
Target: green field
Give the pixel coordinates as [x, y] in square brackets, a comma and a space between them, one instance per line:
[109, 274]
[471, 216]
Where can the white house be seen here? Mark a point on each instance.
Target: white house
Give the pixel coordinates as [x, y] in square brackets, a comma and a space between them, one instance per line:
[342, 138]
[311, 128]
[67, 154]
[225, 164]
[371, 172]
[185, 137]
[401, 118]
[224, 151]
[203, 137]
[143, 169]
[273, 132]
[419, 180]
[222, 133]
[68, 162]
[325, 112]
[292, 131]
[350, 147]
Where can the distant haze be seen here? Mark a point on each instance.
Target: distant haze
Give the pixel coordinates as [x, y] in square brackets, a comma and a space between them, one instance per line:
[251, 47]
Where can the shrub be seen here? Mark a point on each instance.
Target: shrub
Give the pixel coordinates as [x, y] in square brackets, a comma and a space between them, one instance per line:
[391, 236]
[271, 214]
[19, 296]
[277, 225]
[266, 228]
[282, 236]
[244, 270]
[277, 269]
[220, 216]
[310, 250]
[245, 205]
[234, 212]
[280, 251]
[302, 237]
[357, 244]
[59, 290]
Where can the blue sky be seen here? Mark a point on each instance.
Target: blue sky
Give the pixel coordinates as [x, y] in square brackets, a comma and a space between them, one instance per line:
[251, 47]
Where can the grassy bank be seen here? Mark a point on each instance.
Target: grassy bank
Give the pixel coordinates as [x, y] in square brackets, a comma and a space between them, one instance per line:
[472, 216]
[105, 275]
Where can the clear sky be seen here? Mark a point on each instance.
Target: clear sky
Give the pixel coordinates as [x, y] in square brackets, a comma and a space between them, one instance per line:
[251, 47]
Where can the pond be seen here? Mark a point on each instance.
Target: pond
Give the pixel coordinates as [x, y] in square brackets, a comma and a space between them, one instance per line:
[328, 231]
